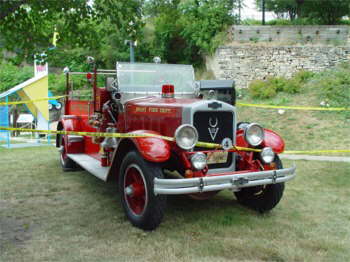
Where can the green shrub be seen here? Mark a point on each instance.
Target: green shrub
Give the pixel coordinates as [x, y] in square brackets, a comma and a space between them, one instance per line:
[303, 76]
[281, 84]
[292, 86]
[262, 89]
[250, 21]
[334, 86]
[274, 85]
[279, 22]
[298, 21]
[344, 22]
[278, 82]
[57, 83]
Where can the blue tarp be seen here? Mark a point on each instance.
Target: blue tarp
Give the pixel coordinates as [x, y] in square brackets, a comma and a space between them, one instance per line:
[4, 121]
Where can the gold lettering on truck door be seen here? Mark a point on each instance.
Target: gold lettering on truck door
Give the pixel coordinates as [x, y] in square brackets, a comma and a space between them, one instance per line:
[153, 110]
[140, 109]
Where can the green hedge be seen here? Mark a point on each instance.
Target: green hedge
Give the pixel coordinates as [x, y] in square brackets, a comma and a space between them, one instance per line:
[271, 86]
[331, 86]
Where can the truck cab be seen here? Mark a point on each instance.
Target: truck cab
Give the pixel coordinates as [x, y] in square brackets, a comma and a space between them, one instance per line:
[158, 132]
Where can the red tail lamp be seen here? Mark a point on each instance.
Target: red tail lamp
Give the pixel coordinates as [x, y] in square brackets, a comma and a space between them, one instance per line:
[168, 91]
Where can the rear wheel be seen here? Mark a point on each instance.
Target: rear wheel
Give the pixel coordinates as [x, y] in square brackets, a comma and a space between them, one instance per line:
[66, 163]
[262, 198]
[144, 209]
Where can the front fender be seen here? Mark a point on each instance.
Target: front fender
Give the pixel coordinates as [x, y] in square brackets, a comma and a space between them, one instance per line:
[153, 149]
[274, 141]
[271, 139]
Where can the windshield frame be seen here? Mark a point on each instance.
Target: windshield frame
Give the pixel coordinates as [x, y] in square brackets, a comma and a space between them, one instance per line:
[156, 89]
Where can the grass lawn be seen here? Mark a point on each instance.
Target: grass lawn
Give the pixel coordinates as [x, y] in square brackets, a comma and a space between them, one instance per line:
[49, 215]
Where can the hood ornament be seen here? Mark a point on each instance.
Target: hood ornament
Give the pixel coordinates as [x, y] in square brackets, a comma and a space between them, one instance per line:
[213, 129]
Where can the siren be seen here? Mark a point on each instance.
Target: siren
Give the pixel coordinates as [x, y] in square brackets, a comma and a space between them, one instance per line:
[168, 91]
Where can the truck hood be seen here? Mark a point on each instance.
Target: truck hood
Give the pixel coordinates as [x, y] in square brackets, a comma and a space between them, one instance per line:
[162, 115]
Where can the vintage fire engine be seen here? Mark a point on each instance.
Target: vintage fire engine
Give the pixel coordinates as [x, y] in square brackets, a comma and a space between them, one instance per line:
[164, 101]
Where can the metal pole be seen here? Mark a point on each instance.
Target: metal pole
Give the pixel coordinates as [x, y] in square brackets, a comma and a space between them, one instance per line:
[263, 12]
[67, 93]
[239, 11]
[48, 135]
[9, 123]
[132, 53]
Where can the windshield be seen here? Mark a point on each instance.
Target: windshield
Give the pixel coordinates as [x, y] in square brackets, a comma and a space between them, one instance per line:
[149, 78]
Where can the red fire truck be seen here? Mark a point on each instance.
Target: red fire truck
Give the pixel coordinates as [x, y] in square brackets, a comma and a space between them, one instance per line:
[193, 146]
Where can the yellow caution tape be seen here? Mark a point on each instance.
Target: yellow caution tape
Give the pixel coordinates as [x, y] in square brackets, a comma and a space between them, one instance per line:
[297, 107]
[91, 134]
[30, 101]
[217, 146]
[121, 135]
[316, 151]
[133, 135]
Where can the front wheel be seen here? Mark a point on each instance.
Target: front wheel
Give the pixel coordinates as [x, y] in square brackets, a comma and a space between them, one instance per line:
[262, 198]
[142, 207]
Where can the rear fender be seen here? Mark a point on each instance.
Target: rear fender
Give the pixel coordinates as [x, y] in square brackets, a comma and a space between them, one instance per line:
[70, 123]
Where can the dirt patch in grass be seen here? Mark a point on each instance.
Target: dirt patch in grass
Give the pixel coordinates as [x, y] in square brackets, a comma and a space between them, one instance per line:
[14, 232]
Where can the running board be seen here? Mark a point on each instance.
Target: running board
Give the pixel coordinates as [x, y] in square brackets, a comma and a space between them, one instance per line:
[91, 165]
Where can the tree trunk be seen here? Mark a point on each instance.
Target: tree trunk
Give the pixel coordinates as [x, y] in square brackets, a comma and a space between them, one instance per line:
[298, 8]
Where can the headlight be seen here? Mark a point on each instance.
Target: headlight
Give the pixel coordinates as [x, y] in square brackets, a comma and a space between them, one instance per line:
[254, 134]
[267, 155]
[199, 161]
[186, 136]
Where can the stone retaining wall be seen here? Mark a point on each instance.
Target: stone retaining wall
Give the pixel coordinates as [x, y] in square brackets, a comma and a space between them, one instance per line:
[245, 61]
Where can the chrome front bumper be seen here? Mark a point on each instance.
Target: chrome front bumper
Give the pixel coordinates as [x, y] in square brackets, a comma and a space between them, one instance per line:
[214, 183]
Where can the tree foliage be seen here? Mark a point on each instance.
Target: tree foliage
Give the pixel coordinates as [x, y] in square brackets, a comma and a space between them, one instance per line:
[180, 31]
[319, 12]
[281, 7]
[10, 75]
[203, 20]
[327, 11]
[28, 25]
[187, 30]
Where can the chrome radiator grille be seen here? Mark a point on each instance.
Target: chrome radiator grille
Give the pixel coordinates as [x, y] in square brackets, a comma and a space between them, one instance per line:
[213, 127]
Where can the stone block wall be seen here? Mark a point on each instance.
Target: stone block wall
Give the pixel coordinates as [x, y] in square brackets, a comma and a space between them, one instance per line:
[244, 61]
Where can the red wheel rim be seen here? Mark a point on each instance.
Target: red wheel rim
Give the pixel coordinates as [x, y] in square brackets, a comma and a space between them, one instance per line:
[135, 190]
